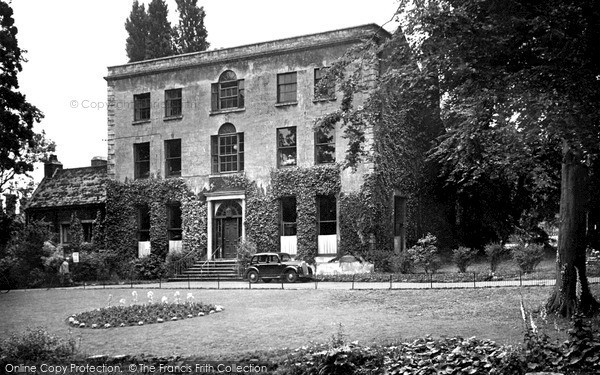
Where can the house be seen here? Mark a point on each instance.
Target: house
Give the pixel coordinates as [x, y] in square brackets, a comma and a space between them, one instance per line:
[206, 149]
[63, 193]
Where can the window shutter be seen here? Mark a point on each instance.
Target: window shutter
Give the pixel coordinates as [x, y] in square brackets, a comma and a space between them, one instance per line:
[241, 93]
[214, 152]
[214, 96]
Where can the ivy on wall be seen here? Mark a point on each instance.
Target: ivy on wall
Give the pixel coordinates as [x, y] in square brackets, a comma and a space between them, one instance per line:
[306, 184]
[122, 204]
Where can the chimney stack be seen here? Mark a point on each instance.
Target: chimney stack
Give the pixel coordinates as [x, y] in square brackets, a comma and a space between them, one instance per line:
[51, 166]
[99, 161]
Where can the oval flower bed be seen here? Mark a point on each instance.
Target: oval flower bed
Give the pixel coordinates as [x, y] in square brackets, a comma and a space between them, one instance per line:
[140, 314]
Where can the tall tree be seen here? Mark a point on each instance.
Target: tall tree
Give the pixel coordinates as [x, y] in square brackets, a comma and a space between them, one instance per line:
[20, 145]
[137, 29]
[160, 33]
[190, 35]
[517, 85]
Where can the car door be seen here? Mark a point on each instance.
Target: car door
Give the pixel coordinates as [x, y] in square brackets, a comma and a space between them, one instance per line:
[271, 266]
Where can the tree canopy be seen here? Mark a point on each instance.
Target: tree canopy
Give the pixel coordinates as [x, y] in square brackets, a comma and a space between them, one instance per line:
[20, 145]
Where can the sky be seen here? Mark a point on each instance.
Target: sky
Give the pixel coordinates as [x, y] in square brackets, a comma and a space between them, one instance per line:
[70, 44]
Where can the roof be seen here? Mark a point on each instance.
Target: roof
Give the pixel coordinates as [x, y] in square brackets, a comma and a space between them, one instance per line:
[71, 187]
[217, 56]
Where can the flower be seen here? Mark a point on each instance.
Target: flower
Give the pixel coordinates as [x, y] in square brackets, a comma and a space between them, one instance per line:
[71, 319]
[159, 320]
[109, 300]
[140, 323]
[94, 325]
[81, 325]
[135, 296]
[174, 318]
[200, 313]
[190, 297]
[219, 308]
[164, 299]
[190, 316]
[176, 295]
[122, 301]
[211, 312]
[150, 297]
[122, 325]
[75, 322]
[107, 325]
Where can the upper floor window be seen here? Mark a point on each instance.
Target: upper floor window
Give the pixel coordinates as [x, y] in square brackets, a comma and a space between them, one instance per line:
[141, 160]
[173, 103]
[324, 146]
[325, 91]
[286, 87]
[173, 158]
[228, 93]
[227, 150]
[286, 147]
[141, 107]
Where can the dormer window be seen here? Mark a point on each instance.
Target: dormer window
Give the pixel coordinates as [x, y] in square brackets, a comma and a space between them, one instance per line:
[228, 93]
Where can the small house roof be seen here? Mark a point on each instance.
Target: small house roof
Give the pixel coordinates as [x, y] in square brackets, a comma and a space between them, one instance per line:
[71, 187]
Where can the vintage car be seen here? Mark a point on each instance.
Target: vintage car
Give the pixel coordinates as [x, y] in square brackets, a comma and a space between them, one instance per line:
[270, 266]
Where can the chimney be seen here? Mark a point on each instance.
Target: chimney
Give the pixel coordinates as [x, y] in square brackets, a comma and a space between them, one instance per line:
[51, 166]
[99, 161]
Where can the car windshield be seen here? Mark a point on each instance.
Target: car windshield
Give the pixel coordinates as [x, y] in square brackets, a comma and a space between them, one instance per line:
[285, 257]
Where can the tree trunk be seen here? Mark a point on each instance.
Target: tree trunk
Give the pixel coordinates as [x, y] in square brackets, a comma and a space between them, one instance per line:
[571, 293]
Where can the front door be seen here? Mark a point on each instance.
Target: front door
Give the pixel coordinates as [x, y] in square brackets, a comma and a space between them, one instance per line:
[230, 238]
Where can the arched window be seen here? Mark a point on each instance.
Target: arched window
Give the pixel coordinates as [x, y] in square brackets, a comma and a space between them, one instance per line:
[228, 92]
[227, 150]
[228, 210]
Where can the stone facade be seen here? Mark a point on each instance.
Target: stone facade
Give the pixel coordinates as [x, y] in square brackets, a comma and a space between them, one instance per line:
[194, 78]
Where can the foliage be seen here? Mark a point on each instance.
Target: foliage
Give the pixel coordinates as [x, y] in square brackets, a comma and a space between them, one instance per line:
[137, 29]
[76, 233]
[463, 257]
[244, 249]
[99, 231]
[495, 252]
[35, 344]
[92, 266]
[402, 263]
[151, 267]
[527, 256]
[20, 145]
[306, 184]
[160, 32]
[190, 35]
[425, 254]
[140, 314]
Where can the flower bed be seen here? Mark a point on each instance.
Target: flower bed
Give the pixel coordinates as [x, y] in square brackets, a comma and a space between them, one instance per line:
[140, 314]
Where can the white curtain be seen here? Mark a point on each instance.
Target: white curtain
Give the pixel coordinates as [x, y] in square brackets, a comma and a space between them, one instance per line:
[289, 244]
[328, 244]
[143, 249]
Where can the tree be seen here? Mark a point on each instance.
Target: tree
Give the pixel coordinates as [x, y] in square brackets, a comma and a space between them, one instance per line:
[160, 33]
[517, 84]
[137, 29]
[20, 145]
[190, 35]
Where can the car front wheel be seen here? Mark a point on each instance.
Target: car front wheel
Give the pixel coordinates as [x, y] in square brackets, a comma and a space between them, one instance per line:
[291, 276]
[253, 276]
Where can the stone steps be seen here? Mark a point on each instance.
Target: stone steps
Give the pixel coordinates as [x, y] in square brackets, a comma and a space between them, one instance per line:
[210, 270]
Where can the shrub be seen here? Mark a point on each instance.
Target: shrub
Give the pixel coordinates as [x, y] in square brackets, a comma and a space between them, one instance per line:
[92, 266]
[425, 254]
[528, 256]
[171, 262]
[151, 267]
[402, 263]
[35, 345]
[495, 252]
[245, 249]
[463, 257]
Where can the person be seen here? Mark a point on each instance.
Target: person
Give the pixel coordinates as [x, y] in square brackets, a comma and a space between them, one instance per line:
[65, 276]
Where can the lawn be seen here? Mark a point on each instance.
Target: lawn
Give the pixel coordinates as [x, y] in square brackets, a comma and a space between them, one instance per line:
[276, 319]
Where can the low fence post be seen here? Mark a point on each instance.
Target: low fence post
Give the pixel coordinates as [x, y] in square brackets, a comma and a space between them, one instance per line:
[218, 281]
[316, 282]
[189, 281]
[353, 281]
[520, 279]
[390, 282]
[474, 280]
[431, 281]
[159, 282]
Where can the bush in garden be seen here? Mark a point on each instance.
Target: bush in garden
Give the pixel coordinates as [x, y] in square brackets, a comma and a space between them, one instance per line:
[425, 254]
[528, 256]
[36, 344]
[92, 266]
[151, 267]
[245, 249]
[174, 257]
[463, 257]
[495, 252]
[402, 263]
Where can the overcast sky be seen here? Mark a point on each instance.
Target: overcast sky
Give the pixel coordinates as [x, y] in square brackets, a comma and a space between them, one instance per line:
[70, 43]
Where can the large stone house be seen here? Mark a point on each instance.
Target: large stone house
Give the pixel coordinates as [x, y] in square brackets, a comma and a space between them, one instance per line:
[244, 114]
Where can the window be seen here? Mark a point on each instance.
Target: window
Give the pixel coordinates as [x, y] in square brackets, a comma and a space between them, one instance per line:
[324, 146]
[141, 160]
[286, 87]
[141, 107]
[174, 221]
[173, 103]
[327, 91]
[228, 93]
[326, 212]
[400, 220]
[286, 147]
[173, 158]
[66, 235]
[288, 216]
[143, 213]
[227, 150]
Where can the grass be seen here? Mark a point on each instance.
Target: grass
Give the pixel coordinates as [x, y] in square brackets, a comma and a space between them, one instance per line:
[264, 320]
